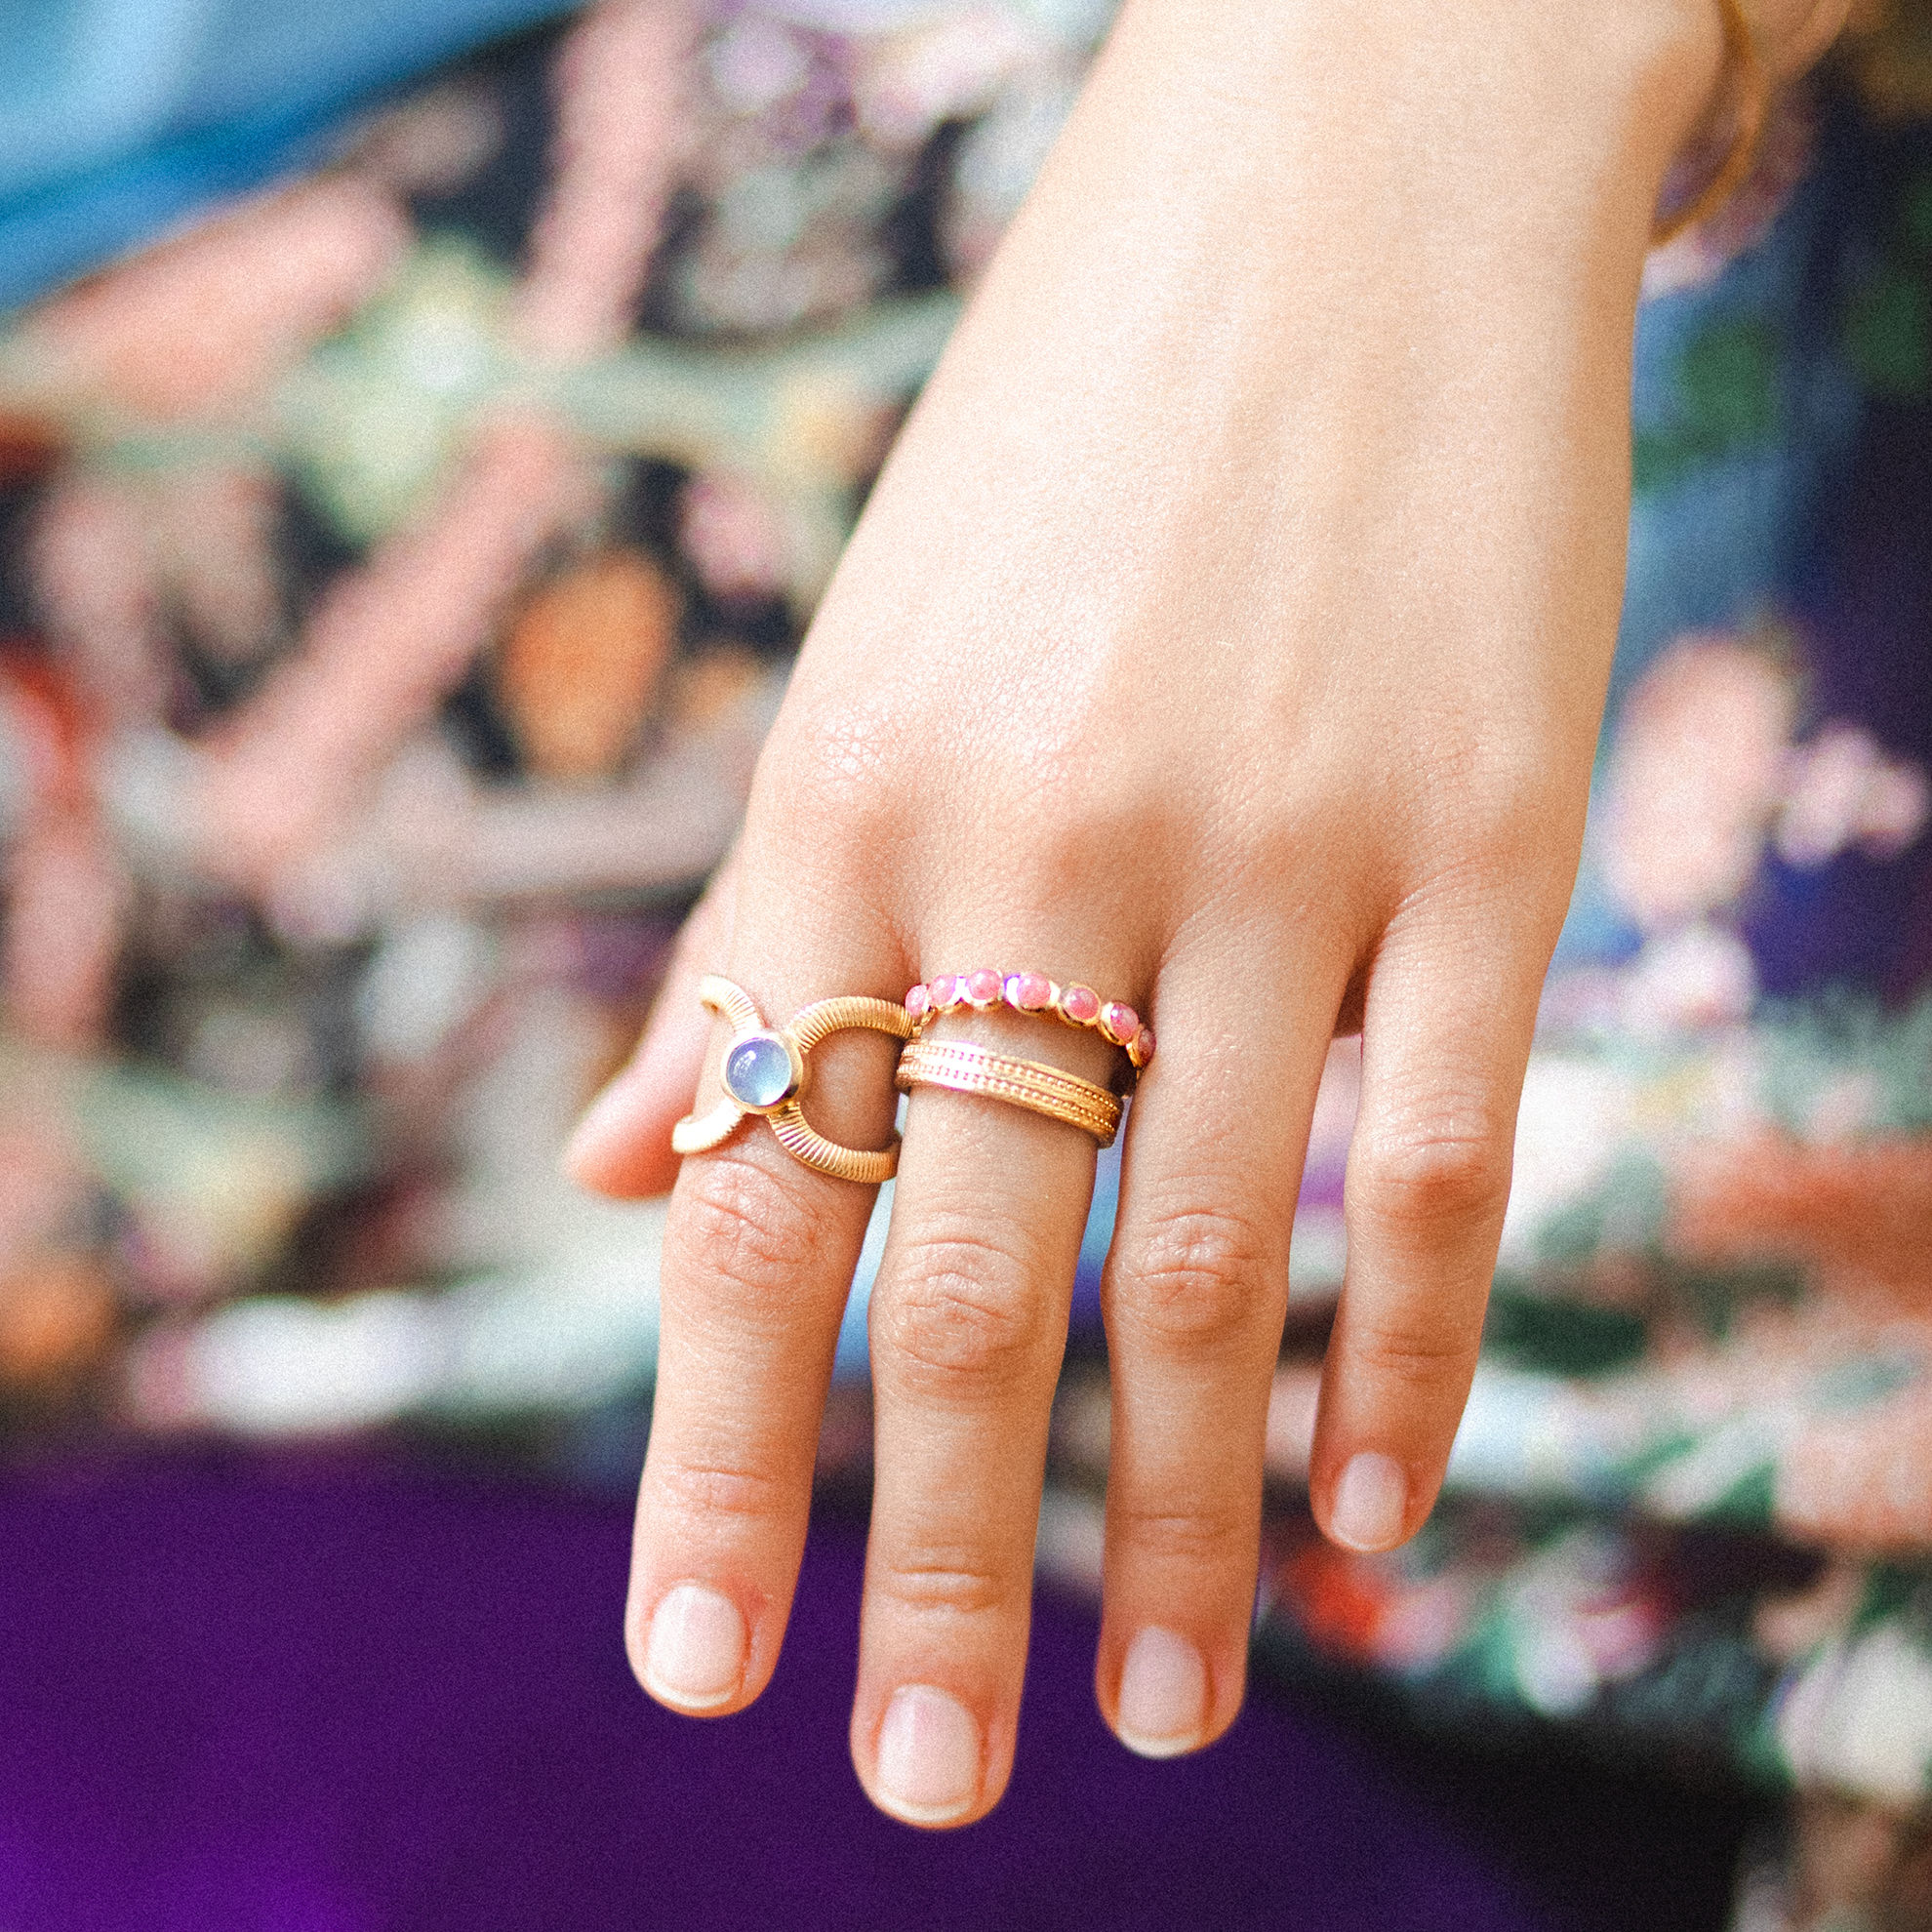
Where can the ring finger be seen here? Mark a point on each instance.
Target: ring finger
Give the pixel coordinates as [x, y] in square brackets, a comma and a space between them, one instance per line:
[1195, 1293]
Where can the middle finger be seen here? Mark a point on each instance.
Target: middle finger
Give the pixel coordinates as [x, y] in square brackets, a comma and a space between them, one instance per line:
[968, 1328]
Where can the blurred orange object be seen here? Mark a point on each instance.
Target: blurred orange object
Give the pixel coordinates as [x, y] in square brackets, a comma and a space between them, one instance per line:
[29, 447]
[580, 665]
[55, 1317]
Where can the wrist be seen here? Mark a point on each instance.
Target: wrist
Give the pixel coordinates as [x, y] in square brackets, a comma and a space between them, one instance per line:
[1544, 103]
[1517, 106]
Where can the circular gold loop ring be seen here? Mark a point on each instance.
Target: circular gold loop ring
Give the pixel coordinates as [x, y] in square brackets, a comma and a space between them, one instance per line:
[803, 1142]
[967, 1068]
[834, 1016]
[786, 1079]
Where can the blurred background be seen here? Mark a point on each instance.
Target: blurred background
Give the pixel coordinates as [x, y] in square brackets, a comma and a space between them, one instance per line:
[425, 431]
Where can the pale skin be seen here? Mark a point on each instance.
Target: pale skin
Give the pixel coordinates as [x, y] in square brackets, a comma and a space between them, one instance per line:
[1229, 631]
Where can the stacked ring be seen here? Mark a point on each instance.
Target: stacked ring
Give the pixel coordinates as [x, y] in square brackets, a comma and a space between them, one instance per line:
[1076, 1005]
[967, 1068]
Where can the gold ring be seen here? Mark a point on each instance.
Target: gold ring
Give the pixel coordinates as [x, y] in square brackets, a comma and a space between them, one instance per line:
[967, 1068]
[765, 1071]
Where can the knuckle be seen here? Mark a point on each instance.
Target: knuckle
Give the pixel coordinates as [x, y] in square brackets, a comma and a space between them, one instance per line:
[1210, 1531]
[1489, 777]
[961, 1309]
[1068, 821]
[844, 779]
[1501, 862]
[843, 764]
[1419, 1358]
[1448, 1169]
[951, 1580]
[744, 1233]
[1198, 1274]
[694, 1488]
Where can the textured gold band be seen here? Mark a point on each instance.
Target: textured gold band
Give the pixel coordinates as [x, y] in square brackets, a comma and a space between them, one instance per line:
[700, 1134]
[833, 1016]
[975, 1069]
[803, 1142]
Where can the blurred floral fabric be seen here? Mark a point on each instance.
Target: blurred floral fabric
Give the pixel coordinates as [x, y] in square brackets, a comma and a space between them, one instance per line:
[398, 569]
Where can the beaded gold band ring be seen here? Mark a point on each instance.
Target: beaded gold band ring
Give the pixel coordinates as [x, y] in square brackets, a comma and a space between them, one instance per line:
[765, 1071]
[967, 1068]
[1076, 1005]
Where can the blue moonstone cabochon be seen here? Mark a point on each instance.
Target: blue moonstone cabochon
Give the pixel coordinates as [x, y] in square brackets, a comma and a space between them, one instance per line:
[757, 1070]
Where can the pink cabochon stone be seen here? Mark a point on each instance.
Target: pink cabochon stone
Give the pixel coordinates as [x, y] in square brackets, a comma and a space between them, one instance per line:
[1118, 1024]
[943, 991]
[1028, 993]
[1081, 1003]
[983, 987]
[1143, 1049]
[915, 1001]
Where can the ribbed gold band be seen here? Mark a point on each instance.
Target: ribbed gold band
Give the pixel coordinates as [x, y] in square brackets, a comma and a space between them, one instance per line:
[973, 1070]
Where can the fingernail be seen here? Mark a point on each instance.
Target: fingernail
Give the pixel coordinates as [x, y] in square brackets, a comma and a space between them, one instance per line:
[695, 1655]
[929, 1757]
[1163, 1695]
[1370, 1503]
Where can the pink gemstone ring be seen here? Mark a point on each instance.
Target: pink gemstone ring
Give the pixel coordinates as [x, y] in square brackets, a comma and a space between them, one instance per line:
[983, 989]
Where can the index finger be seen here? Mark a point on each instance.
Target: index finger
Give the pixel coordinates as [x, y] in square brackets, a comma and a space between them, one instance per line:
[759, 1253]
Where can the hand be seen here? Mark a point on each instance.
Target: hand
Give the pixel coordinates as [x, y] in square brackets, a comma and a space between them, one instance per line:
[1229, 631]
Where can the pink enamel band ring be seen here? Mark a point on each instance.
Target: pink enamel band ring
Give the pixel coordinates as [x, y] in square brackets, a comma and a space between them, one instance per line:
[983, 989]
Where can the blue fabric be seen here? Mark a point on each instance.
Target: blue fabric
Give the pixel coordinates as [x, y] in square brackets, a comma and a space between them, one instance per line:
[119, 118]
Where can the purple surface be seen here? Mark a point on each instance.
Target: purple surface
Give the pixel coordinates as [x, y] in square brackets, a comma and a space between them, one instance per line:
[256, 1697]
